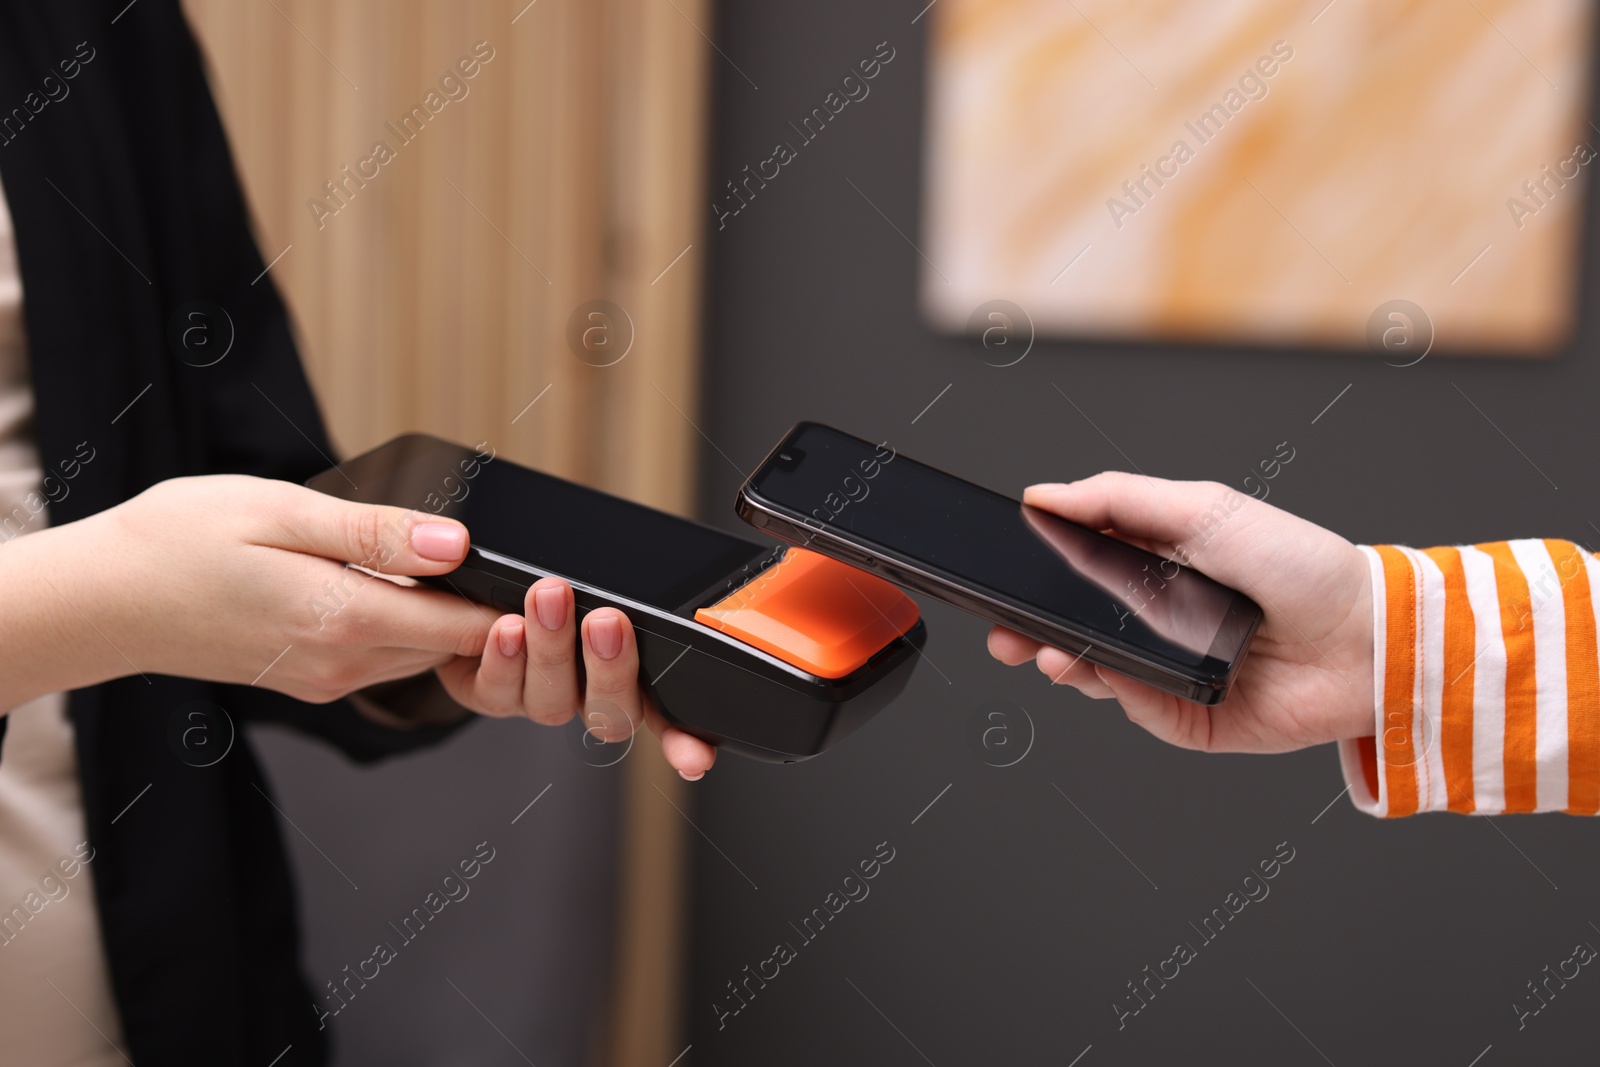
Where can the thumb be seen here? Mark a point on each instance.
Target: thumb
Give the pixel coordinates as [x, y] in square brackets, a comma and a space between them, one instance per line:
[385, 539]
[1137, 506]
[1196, 523]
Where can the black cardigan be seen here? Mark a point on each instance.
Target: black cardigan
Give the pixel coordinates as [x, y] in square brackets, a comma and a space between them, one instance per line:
[126, 207]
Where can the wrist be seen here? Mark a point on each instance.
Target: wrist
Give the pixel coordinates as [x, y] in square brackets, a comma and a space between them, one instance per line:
[56, 634]
[1362, 710]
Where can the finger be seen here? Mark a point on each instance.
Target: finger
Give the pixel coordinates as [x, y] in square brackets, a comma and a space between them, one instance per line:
[390, 664]
[611, 706]
[385, 539]
[1010, 647]
[376, 666]
[382, 614]
[688, 755]
[1139, 507]
[1177, 722]
[1070, 668]
[495, 688]
[550, 684]
[459, 675]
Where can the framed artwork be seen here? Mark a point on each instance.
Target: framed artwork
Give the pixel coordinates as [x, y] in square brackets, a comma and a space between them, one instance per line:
[1260, 171]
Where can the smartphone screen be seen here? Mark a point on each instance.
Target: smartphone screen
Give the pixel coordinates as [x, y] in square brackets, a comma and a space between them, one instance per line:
[974, 538]
[548, 523]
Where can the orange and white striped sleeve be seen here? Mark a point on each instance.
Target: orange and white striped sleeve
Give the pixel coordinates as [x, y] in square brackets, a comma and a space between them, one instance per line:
[1486, 681]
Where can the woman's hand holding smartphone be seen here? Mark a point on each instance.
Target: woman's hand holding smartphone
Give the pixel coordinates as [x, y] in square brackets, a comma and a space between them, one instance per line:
[243, 580]
[1151, 592]
[1309, 676]
[1058, 582]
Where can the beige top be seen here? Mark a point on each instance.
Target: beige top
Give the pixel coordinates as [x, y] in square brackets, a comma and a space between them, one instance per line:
[56, 1007]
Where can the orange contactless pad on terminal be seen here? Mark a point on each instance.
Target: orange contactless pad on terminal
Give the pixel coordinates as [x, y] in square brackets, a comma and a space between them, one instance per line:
[816, 613]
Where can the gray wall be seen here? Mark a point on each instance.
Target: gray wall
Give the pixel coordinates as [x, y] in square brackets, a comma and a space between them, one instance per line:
[1011, 917]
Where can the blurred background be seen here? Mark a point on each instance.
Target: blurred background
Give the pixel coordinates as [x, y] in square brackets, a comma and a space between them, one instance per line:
[1377, 252]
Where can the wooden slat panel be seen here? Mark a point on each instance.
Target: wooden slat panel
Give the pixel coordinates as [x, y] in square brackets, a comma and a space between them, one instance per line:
[579, 148]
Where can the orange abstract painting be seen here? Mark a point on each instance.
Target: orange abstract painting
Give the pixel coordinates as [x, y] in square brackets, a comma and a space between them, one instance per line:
[1259, 171]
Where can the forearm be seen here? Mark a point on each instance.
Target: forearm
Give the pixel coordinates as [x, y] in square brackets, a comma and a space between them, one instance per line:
[55, 632]
[1487, 681]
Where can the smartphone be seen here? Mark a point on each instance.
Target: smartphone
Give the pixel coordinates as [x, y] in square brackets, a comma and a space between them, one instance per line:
[765, 650]
[1082, 591]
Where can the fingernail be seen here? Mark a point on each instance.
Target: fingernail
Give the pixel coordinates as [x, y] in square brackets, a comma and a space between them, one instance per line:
[443, 542]
[511, 637]
[550, 604]
[605, 636]
[691, 777]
